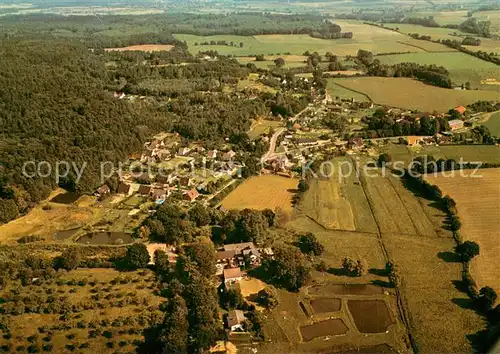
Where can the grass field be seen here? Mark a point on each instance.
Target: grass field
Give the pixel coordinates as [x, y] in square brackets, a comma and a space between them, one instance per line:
[376, 40]
[487, 45]
[99, 300]
[335, 90]
[493, 124]
[462, 67]
[263, 127]
[262, 192]
[411, 94]
[477, 203]
[469, 153]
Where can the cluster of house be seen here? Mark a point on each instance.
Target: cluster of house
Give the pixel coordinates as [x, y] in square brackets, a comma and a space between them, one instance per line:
[159, 154]
[232, 257]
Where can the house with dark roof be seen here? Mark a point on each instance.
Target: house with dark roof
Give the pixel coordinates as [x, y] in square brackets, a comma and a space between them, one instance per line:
[144, 190]
[236, 320]
[123, 188]
[102, 190]
[159, 194]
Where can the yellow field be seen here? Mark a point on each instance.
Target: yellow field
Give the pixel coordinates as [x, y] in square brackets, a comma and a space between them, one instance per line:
[324, 204]
[411, 94]
[263, 192]
[142, 48]
[477, 202]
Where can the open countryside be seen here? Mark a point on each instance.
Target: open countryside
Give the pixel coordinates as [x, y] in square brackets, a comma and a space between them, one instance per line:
[250, 177]
[411, 94]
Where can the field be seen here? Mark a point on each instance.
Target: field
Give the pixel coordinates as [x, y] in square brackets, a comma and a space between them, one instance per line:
[142, 48]
[411, 94]
[462, 67]
[493, 124]
[469, 153]
[263, 127]
[376, 40]
[107, 310]
[262, 192]
[412, 231]
[487, 45]
[477, 203]
[335, 90]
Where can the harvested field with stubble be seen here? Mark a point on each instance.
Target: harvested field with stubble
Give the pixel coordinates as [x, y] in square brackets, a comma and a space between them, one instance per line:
[142, 48]
[263, 192]
[477, 201]
[411, 94]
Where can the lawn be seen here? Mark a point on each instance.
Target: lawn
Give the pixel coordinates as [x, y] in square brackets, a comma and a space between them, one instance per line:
[411, 94]
[462, 67]
[493, 124]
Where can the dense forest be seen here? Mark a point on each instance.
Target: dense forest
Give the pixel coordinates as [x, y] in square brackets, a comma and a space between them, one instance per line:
[115, 31]
[54, 106]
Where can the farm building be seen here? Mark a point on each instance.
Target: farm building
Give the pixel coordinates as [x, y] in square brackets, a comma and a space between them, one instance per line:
[306, 141]
[232, 275]
[102, 190]
[191, 195]
[236, 320]
[123, 188]
[144, 190]
[460, 109]
[456, 124]
[414, 140]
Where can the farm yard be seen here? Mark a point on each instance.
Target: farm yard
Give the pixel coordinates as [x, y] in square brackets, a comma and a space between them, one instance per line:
[462, 67]
[411, 94]
[263, 192]
[477, 200]
[107, 310]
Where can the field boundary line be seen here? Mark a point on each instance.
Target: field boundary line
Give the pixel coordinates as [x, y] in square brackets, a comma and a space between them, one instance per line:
[404, 313]
[356, 91]
[407, 211]
[426, 50]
